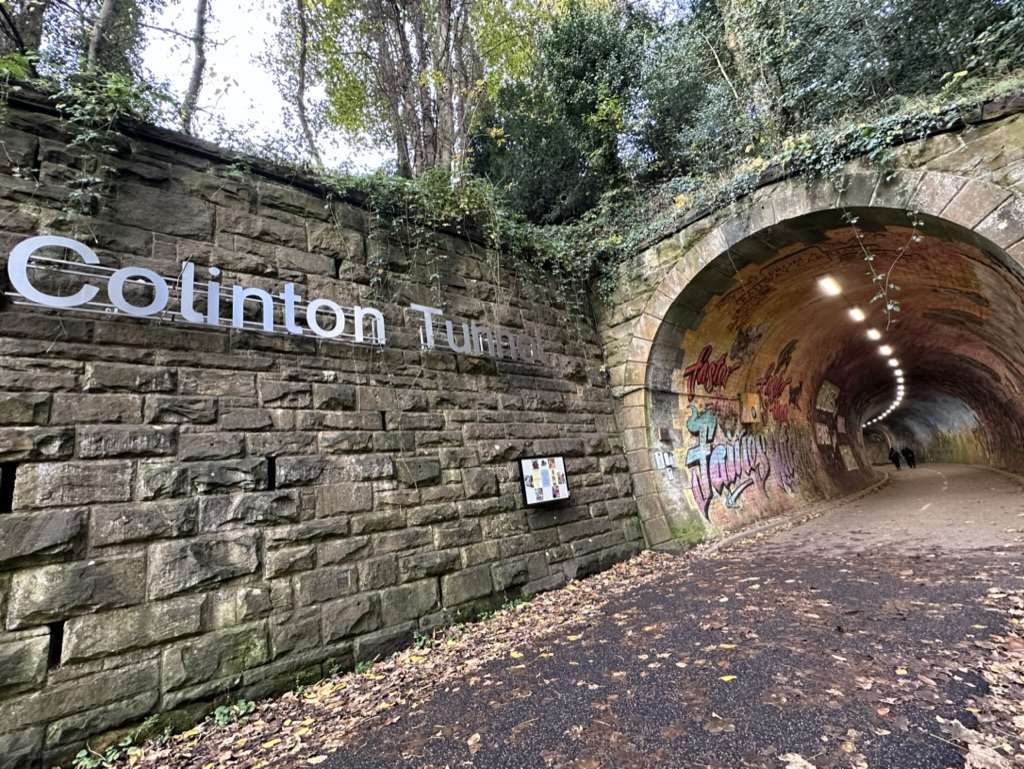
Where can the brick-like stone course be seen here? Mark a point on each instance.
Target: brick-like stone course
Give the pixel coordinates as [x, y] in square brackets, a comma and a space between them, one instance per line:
[201, 514]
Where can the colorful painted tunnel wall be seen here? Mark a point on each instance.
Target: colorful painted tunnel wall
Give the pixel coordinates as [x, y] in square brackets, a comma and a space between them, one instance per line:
[759, 383]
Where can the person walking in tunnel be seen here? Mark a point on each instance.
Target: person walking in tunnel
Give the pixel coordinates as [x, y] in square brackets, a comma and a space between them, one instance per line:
[908, 454]
[894, 457]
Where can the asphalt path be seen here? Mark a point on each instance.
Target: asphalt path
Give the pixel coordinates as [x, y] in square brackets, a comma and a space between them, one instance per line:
[837, 642]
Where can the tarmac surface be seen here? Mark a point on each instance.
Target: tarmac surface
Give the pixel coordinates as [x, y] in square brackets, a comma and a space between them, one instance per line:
[836, 642]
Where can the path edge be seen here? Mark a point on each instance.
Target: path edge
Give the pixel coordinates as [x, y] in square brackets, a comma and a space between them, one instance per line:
[796, 517]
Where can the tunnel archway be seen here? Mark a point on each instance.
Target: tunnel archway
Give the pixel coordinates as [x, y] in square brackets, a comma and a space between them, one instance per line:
[764, 393]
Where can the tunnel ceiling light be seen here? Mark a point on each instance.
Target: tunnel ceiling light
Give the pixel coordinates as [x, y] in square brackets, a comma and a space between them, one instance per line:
[898, 372]
[857, 314]
[894, 363]
[874, 334]
[885, 350]
[830, 285]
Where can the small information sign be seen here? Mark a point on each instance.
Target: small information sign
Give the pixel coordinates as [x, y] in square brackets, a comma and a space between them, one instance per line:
[543, 479]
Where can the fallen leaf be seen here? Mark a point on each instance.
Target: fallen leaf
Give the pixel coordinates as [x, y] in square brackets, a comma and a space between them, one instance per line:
[796, 761]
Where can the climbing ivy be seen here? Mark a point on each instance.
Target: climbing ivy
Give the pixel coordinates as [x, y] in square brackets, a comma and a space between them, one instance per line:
[93, 109]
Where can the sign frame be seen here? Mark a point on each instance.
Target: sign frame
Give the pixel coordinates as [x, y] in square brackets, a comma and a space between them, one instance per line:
[560, 463]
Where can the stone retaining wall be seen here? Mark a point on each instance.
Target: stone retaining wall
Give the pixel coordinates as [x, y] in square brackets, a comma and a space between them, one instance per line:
[192, 515]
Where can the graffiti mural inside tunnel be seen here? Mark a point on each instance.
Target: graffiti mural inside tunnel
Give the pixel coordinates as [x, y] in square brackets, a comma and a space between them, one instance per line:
[712, 375]
[723, 464]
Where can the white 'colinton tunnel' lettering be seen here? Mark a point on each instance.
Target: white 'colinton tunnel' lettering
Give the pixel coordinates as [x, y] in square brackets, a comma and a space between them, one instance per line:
[477, 339]
[176, 298]
[323, 317]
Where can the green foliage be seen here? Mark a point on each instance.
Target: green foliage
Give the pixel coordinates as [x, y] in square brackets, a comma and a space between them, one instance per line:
[738, 77]
[230, 714]
[93, 106]
[690, 531]
[90, 759]
[551, 139]
[364, 666]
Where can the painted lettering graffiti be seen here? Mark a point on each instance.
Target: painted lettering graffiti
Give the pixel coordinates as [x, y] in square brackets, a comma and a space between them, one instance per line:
[774, 384]
[724, 468]
[711, 375]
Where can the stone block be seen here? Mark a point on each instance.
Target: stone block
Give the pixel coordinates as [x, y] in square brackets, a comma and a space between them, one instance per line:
[377, 573]
[343, 498]
[276, 444]
[66, 735]
[24, 408]
[21, 748]
[269, 507]
[327, 528]
[381, 643]
[417, 471]
[350, 616]
[70, 409]
[49, 593]
[339, 551]
[382, 520]
[405, 539]
[466, 585]
[246, 419]
[289, 560]
[158, 210]
[133, 522]
[214, 656]
[498, 451]
[225, 384]
[84, 693]
[456, 533]
[166, 409]
[285, 395]
[347, 442]
[200, 446]
[293, 261]
[296, 471]
[1005, 225]
[35, 444]
[37, 536]
[431, 563]
[107, 377]
[480, 482]
[159, 480]
[324, 584]
[69, 484]
[390, 399]
[23, 658]
[109, 442]
[409, 602]
[333, 397]
[183, 565]
[295, 632]
[235, 475]
[114, 632]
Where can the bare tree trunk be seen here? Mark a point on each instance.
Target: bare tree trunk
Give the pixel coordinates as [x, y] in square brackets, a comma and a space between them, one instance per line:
[195, 83]
[99, 30]
[300, 88]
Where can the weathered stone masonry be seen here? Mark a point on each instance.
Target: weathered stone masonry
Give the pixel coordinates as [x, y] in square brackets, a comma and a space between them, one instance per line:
[195, 515]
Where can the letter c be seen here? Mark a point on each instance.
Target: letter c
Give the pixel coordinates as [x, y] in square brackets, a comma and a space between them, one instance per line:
[17, 270]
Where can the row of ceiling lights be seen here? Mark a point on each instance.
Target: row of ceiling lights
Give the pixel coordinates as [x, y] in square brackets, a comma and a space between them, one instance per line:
[830, 286]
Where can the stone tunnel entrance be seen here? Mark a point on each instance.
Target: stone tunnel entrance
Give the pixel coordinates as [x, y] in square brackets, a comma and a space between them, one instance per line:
[774, 381]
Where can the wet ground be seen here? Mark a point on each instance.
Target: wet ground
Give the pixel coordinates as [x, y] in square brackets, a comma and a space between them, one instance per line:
[837, 643]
